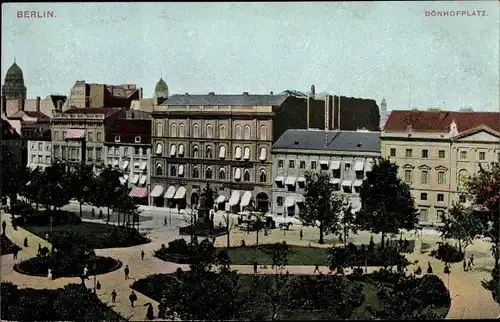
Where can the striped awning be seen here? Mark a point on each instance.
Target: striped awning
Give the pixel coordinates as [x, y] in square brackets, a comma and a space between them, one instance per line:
[245, 200]
[346, 183]
[334, 181]
[138, 192]
[301, 179]
[358, 183]
[289, 201]
[279, 179]
[299, 198]
[335, 165]
[157, 191]
[170, 192]
[181, 193]
[143, 166]
[235, 198]
[75, 134]
[290, 181]
[135, 179]
[143, 180]
[359, 166]
[220, 199]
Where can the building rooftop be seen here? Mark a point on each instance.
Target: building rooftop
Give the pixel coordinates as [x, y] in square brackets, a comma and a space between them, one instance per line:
[329, 140]
[439, 121]
[128, 129]
[225, 100]
[93, 110]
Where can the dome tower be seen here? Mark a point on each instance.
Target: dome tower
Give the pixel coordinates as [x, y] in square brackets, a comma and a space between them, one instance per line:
[13, 87]
[161, 91]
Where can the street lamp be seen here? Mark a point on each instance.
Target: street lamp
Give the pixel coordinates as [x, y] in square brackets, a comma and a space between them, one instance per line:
[149, 191]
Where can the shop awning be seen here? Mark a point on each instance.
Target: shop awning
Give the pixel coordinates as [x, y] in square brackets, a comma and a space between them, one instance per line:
[181, 170]
[143, 180]
[358, 183]
[247, 154]
[222, 152]
[122, 180]
[289, 201]
[334, 165]
[135, 179]
[181, 149]
[369, 166]
[115, 163]
[143, 165]
[299, 198]
[263, 154]
[125, 164]
[245, 200]
[220, 199]
[173, 149]
[158, 148]
[157, 191]
[290, 181]
[170, 192]
[237, 154]
[138, 192]
[181, 193]
[359, 166]
[235, 198]
[323, 163]
[75, 134]
[334, 181]
[137, 165]
[346, 183]
[125, 176]
[237, 174]
[279, 179]
[301, 179]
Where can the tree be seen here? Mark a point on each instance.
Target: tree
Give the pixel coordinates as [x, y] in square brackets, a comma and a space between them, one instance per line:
[322, 204]
[127, 207]
[348, 222]
[56, 191]
[280, 253]
[386, 203]
[461, 224]
[108, 188]
[257, 222]
[83, 181]
[230, 224]
[11, 172]
[33, 187]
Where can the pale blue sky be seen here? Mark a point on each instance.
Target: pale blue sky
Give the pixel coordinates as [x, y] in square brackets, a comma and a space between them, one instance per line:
[369, 50]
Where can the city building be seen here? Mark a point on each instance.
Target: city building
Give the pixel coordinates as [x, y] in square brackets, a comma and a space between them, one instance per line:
[11, 142]
[437, 150]
[13, 86]
[78, 134]
[349, 114]
[345, 155]
[128, 149]
[40, 151]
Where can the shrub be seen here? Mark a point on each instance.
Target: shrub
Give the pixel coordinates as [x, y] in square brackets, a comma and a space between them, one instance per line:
[22, 208]
[354, 256]
[433, 291]
[448, 253]
[42, 218]
[179, 247]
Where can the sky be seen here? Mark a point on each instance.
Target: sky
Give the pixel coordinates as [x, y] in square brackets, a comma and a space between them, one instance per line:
[396, 50]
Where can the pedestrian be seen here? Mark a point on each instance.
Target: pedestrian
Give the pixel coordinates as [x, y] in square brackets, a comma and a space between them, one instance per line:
[429, 268]
[93, 212]
[472, 259]
[161, 310]
[418, 271]
[469, 265]
[126, 272]
[150, 314]
[142, 254]
[301, 234]
[49, 274]
[465, 265]
[165, 221]
[47, 236]
[25, 241]
[15, 253]
[113, 296]
[39, 249]
[316, 268]
[255, 267]
[98, 285]
[132, 297]
[341, 240]
[85, 271]
[4, 226]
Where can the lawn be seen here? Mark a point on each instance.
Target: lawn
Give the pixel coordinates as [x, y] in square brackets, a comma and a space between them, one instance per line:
[7, 246]
[97, 235]
[300, 255]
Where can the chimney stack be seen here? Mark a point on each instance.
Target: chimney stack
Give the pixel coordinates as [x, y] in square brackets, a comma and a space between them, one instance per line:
[59, 105]
[271, 93]
[140, 93]
[313, 91]
[38, 103]
[245, 93]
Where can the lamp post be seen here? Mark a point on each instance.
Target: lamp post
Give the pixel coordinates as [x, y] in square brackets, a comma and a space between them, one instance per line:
[149, 191]
[51, 219]
[94, 267]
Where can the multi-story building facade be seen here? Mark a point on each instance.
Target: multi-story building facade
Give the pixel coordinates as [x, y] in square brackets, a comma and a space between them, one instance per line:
[40, 151]
[437, 150]
[345, 155]
[78, 134]
[128, 149]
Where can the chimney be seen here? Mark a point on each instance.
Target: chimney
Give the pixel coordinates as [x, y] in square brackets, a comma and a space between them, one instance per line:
[271, 93]
[245, 93]
[313, 91]
[186, 94]
[38, 103]
[59, 105]
[140, 93]
[211, 94]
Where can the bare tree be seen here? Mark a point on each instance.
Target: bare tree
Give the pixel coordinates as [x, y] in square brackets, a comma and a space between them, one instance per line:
[229, 224]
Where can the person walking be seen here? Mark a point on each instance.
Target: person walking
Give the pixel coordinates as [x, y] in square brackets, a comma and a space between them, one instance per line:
[113, 296]
[255, 267]
[316, 268]
[472, 259]
[161, 310]
[4, 226]
[127, 271]
[469, 265]
[39, 249]
[429, 268]
[142, 254]
[465, 265]
[301, 234]
[85, 271]
[150, 314]
[15, 253]
[25, 241]
[132, 297]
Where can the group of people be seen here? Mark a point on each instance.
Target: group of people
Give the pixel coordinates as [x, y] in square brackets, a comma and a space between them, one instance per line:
[468, 263]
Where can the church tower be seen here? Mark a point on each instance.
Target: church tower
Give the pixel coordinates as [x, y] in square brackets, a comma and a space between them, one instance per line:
[13, 86]
[383, 105]
[161, 92]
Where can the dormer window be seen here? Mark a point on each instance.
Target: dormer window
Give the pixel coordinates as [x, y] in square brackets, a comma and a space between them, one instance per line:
[137, 139]
[117, 139]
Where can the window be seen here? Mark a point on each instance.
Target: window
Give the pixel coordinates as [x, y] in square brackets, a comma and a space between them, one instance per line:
[423, 196]
[222, 131]
[56, 135]
[208, 173]
[91, 136]
[159, 149]
[64, 135]
[40, 146]
[263, 132]
[246, 175]
[137, 151]
[98, 153]
[291, 164]
[279, 201]
[208, 152]
[313, 165]
[407, 175]
[117, 151]
[195, 151]
[90, 152]
[63, 150]
[263, 154]
[441, 177]
[424, 176]
[237, 153]
[196, 131]
[137, 139]
[181, 150]
[246, 156]
[47, 159]
[393, 152]
[347, 167]
[222, 152]
[442, 154]
[482, 156]
[99, 137]
[196, 172]
[440, 214]
[462, 199]
[181, 130]
[263, 176]
[210, 131]
[222, 174]
[117, 138]
[159, 129]
[237, 132]
[173, 130]
[440, 197]
[423, 214]
[302, 164]
[33, 159]
[425, 154]
[173, 171]
[246, 132]
[408, 153]
[159, 170]
[281, 163]
[463, 155]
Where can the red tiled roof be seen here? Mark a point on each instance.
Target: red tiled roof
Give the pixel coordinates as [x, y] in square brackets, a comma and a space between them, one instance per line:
[93, 110]
[439, 121]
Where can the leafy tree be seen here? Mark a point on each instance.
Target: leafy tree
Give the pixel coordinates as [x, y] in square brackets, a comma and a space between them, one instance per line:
[348, 222]
[108, 189]
[461, 224]
[83, 181]
[387, 205]
[338, 259]
[56, 192]
[33, 187]
[11, 173]
[127, 207]
[257, 222]
[322, 204]
[230, 224]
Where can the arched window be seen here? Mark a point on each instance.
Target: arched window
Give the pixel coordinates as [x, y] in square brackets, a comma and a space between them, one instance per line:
[159, 129]
[196, 131]
[222, 174]
[237, 132]
[222, 131]
[263, 175]
[210, 132]
[112, 150]
[237, 153]
[181, 150]
[246, 175]
[181, 130]
[246, 155]
[246, 132]
[263, 132]
[222, 152]
[159, 149]
[173, 130]
[159, 170]
[195, 152]
[196, 172]
[208, 173]
[208, 153]
[173, 171]
[463, 175]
